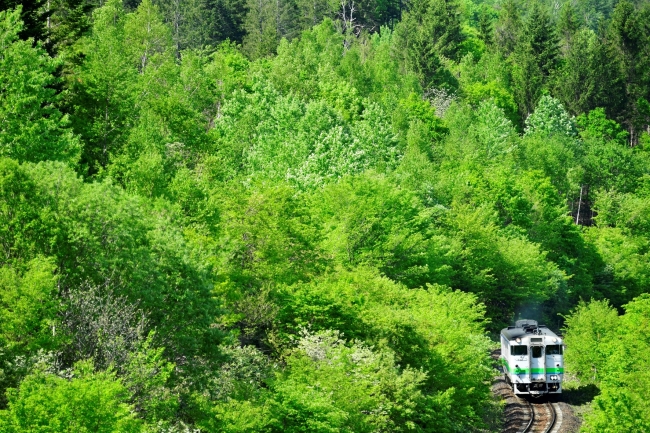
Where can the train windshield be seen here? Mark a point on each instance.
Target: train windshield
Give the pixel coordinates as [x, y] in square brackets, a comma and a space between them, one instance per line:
[537, 351]
[554, 349]
[518, 350]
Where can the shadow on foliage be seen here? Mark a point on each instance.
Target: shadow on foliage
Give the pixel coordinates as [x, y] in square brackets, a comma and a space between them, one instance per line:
[581, 395]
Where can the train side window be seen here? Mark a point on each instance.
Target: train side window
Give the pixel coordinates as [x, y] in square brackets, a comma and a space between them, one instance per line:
[554, 349]
[518, 350]
[537, 351]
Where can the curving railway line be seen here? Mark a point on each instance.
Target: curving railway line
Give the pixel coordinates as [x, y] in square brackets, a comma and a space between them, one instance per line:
[529, 415]
[543, 418]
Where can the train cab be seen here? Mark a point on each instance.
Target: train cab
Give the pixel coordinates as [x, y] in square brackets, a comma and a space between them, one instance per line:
[532, 358]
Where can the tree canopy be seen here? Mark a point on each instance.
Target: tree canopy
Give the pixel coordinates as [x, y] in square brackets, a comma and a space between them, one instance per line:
[315, 216]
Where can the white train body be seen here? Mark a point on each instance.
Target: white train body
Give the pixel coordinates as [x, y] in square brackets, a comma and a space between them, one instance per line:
[532, 358]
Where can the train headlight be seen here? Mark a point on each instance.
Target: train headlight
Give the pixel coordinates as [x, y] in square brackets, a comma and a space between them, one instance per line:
[554, 377]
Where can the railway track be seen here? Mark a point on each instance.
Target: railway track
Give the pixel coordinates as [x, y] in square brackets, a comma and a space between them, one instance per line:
[543, 418]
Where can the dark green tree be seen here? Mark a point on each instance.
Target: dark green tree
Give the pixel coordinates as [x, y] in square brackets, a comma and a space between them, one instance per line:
[508, 27]
[590, 76]
[486, 25]
[542, 41]
[629, 35]
[567, 26]
[430, 29]
[35, 16]
[71, 19]
[535, 58]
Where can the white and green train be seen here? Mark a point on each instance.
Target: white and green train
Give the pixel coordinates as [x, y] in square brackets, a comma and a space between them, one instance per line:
[532, 358]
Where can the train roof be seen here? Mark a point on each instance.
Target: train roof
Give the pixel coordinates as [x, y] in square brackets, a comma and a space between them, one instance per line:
[525, 328]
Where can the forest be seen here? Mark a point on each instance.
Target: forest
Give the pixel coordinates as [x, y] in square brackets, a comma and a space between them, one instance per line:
[315, 216]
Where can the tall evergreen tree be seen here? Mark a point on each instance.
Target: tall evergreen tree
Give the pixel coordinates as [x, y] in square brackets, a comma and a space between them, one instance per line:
[527, 80]
[226, 19]
[70, 21]
[567, 25]
[430, 29]
[508, 27]
[312, 12]
[629, 35]
[266, 23]
[189, 21]
[536, 57]
[101, 98]
[34, 15]
[590, 76]
[485, 26]
[540, 37]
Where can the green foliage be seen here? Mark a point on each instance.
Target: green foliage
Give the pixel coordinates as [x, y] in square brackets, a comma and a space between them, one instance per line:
[595, 126]
[369, 221]
[101, 94]
[33, 129]
[508, 27]
[627, 260]
[429, 30]
[333, 384]
[28, 306]
[33, 14]
[535, 58]
[590, 332]
[611, 342]
[356, 389]
[85, 402]
[590, 75]
[307, 143]
[311, 226]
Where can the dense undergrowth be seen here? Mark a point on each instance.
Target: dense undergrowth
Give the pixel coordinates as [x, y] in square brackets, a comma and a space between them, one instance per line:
[317, 228]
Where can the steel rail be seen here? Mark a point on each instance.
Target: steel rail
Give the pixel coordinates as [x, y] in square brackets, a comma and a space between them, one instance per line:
[550, 425]
[532, 418]
[553, 418]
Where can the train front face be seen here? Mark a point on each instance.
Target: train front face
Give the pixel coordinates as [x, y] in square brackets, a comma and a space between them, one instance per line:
[534, 363]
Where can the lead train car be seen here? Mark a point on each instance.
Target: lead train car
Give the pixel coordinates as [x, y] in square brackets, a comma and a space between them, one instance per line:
[532, 359]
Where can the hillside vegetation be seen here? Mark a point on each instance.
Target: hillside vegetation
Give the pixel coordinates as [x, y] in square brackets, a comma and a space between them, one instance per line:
[311, 216]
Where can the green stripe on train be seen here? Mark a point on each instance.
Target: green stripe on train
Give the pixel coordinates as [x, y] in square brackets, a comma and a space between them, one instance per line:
[516, 370]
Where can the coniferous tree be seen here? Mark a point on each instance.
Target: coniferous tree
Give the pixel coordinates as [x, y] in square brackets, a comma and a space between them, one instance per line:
[429, 30]
[101, 95]
[226, 19]
[312, 12]
[541, 39]
[485, 26]
[34, 15]
[527, 80]
[590, 76]
[71, 19]
[268, 21]
[189, 22]
[535, 58]
[567, 26]
[629, 35]
[508, 27]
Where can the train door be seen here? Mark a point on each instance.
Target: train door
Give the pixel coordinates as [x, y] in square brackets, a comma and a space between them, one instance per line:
[537, 362]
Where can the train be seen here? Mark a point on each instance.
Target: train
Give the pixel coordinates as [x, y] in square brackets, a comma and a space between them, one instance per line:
[532, 357]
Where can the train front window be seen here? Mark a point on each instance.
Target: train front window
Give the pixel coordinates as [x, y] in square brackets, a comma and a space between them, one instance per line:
[518, 350]
[554, 349]
[537, 351]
